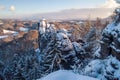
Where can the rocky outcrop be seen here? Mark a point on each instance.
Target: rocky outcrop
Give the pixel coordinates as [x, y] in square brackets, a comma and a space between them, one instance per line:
[58, 51]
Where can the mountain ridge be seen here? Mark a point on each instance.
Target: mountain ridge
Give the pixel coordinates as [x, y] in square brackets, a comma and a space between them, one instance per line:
[67, 14]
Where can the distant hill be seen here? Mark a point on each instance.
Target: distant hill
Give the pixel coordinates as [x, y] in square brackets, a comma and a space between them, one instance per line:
[67, 14]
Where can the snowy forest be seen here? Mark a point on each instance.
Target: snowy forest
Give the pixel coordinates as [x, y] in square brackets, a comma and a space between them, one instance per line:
[90, 52]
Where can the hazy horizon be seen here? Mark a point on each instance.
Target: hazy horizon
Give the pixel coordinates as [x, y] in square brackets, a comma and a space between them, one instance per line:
[25, 8]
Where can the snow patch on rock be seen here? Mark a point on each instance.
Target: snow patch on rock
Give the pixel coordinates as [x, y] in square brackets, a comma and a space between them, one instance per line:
[23, 29]
[4, 36]
[9, 32]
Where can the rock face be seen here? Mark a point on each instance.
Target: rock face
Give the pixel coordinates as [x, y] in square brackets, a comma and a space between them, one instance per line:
[42, 26]
[111, 38]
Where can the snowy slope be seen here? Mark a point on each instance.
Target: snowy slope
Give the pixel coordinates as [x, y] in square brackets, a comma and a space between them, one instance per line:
[9, 31]
[23, 29]
[4, 36]
[66, 75]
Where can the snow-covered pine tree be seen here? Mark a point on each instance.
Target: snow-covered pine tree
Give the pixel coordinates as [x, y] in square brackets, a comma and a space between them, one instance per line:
[112, 69]
[109, 68]
[61, 53]
[23, 67]
[110, 38]
[91, 44]
[58, 54]
[111, 46]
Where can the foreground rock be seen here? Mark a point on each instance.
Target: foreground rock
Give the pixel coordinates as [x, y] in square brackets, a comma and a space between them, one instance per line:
[66, 75]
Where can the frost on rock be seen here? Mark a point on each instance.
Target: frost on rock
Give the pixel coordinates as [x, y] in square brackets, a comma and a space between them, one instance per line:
[66, 75]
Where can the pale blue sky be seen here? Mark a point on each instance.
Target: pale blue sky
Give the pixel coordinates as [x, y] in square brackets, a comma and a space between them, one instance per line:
[20, 7]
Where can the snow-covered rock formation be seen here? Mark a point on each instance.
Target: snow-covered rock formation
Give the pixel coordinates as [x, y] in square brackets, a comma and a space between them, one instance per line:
[42, 26]
[58, 51]
[46, 32]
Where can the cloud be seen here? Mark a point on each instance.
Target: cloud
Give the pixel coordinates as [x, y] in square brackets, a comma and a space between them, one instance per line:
[2, 7]
[12, 8]
[110, 4]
